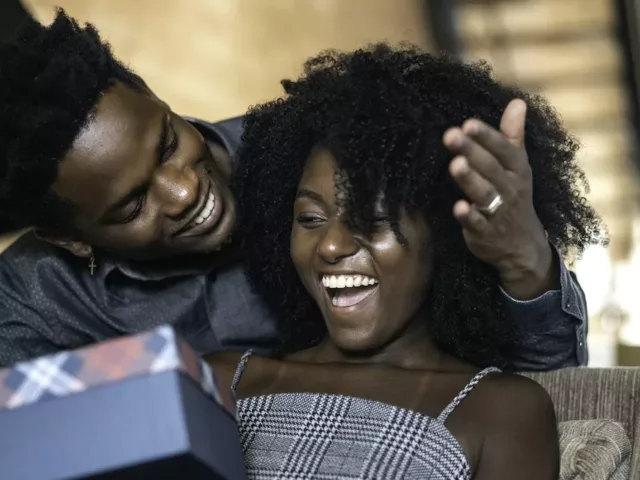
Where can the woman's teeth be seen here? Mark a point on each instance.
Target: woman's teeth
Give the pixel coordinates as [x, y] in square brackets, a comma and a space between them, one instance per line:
[349, 290]
[347, 281]
[205, 213]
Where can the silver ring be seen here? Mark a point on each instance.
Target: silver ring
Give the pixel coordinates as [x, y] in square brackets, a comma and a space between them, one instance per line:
[493, 206]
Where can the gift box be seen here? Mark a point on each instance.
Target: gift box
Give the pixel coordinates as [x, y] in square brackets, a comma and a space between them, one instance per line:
[136, 407]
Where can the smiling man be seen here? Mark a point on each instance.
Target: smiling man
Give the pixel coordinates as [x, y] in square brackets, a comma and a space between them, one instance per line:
[159, 191]
[133, 215]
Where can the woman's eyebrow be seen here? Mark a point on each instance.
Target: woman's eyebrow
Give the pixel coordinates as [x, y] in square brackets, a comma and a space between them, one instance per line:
[306, 193]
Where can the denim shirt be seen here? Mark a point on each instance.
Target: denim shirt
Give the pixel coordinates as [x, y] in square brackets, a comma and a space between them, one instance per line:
[49, 301]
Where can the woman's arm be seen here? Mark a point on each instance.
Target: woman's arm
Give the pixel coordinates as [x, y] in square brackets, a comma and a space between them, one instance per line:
[521, 438]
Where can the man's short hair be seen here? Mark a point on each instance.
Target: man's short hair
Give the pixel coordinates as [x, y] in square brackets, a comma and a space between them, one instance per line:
[51, 78]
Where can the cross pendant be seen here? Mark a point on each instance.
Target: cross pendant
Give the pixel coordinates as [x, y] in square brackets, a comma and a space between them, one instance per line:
[92, 265]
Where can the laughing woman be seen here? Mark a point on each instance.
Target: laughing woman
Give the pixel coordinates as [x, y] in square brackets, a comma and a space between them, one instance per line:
[397, 332]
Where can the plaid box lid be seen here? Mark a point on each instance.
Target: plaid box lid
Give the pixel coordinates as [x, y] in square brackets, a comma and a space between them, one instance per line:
[69, 372]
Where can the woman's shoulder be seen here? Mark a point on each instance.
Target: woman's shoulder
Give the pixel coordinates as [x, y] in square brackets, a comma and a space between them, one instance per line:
[517, 390]
[511, 402]
[503, 394]
[226, 364]
[520, 428]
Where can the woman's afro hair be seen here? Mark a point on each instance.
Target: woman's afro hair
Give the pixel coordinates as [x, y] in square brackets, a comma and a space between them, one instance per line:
[382, 113]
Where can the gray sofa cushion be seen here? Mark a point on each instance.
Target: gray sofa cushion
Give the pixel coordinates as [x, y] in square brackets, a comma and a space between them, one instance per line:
[594, 450]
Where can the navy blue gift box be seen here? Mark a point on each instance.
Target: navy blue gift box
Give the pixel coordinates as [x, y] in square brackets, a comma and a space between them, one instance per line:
[136, 407]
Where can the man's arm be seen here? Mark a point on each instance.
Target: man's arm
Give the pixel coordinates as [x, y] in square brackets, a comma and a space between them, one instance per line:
[552, 327]
[28, 324]
[501, 227]
[20, 342]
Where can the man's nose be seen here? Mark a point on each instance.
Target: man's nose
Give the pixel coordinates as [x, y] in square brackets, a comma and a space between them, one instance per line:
[178, 190]
[337, 242]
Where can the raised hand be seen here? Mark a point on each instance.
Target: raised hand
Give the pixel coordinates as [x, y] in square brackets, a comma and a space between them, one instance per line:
[499, 221]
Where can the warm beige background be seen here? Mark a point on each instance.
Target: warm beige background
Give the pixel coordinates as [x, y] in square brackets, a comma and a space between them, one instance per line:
[214, 58]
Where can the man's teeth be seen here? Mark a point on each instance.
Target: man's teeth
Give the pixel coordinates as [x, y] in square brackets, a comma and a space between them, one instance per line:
[347, 281]
[207, 210]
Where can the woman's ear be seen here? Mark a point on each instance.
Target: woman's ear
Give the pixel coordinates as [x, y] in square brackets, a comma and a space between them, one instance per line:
[77, 248]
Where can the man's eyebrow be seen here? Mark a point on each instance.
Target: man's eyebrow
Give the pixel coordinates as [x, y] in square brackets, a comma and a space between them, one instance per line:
[306, 193]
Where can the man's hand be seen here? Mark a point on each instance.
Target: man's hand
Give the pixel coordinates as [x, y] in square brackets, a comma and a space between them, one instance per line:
[499, 222]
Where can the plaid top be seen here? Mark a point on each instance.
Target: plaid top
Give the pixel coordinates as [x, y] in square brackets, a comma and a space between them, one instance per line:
[323, 436]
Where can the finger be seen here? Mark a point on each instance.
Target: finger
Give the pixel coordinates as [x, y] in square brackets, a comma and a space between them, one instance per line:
[469, 217]
[452, 138]
[480, 160]
[497, 144]
[475, 187]
[513, 121]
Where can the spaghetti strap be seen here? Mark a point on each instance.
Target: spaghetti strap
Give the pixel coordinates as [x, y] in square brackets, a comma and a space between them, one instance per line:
[464, 392]
[239, 370]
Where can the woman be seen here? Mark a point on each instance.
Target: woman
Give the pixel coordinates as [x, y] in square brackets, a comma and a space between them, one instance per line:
[395, 329]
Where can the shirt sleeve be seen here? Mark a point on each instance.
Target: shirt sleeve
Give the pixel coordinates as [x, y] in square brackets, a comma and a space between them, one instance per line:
[20, 339]
[553, 327]
[30, 324]
[21, 344]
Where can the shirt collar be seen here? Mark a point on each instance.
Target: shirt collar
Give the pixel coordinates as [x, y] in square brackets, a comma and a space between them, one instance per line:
[153, 271]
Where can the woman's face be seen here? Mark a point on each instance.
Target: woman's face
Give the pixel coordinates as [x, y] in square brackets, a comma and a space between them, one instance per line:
[368, 289]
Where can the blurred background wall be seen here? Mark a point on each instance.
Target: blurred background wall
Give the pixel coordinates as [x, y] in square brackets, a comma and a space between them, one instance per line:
[214, 58]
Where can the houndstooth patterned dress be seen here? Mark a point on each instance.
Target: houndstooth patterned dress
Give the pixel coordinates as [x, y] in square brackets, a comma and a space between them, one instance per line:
[322, 436]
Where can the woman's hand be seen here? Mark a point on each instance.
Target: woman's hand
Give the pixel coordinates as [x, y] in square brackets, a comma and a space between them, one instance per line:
[499, 222]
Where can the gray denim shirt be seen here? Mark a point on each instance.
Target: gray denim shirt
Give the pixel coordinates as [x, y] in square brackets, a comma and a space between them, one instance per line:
[49, 302]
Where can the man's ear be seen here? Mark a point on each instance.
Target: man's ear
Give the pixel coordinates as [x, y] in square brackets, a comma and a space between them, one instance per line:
[77, 248]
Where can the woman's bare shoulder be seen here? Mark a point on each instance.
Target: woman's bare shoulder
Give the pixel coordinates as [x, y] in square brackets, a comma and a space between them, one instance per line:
[520, 428]
[505, 396]
[224, 365]
[257, 372]
[517, 391]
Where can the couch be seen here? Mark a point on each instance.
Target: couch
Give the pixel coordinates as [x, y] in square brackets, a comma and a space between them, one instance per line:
[598, 394]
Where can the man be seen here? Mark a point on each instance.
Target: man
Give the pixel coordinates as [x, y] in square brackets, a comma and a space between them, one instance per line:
[133, 215]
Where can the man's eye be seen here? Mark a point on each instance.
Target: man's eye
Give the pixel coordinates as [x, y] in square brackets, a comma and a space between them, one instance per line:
[309, 220]
[171, 146]
[136, 212]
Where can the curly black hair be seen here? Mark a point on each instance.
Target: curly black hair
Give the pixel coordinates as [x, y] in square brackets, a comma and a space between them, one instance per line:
[51, 78]
[382, 112]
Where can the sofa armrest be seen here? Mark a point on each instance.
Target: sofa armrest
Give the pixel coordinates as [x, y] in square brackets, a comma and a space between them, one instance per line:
[591, 393]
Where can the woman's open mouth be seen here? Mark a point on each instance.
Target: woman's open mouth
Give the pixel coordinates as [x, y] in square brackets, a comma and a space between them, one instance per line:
[349, 290]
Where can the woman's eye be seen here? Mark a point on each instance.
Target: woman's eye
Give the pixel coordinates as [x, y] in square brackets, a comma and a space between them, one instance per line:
[381, 221]
[310, 221]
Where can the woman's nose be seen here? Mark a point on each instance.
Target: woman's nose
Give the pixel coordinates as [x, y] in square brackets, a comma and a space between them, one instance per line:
[178, 190]
[337, 243]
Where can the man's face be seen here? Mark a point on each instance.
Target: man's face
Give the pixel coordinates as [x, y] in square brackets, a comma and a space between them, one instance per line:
[144, 183]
